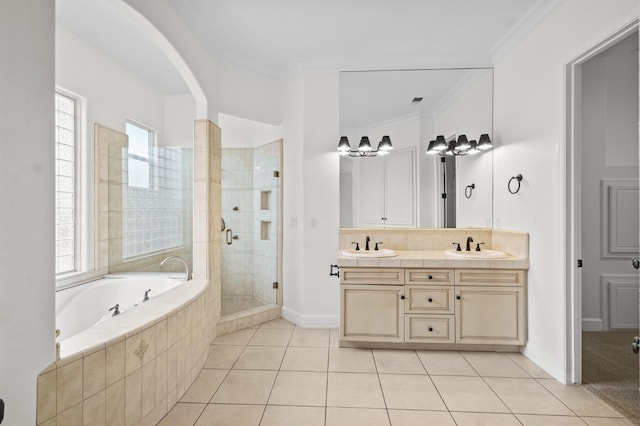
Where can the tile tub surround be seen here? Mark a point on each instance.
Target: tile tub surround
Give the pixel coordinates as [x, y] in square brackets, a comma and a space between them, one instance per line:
[137, 376]
[423, 248]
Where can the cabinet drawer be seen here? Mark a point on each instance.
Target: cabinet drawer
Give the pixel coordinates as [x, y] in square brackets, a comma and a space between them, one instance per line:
[429, 328]
[429, 276]
[372, 276]
[429, 299]
[490, 277]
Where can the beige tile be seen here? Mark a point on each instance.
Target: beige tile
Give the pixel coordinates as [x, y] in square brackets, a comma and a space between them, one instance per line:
[161, 377]
[205, 385]
[161, 336]
[351, 360]
[468, 394]
[356, 417]
[276, 415]
[245, 387]
[182, 415]
[603, 421]
[529, 366]
[278, 323]
[485, 419]
[317, 338]
[527, 396]
[260, 358]
[579, 400]
[241, 337]
[93, 410]
[446, 363]
[491, 364]
[132, 361]
[271, 337]
[47, 384]
[50, 422]
[148, 336]
[133, 395]
[94, 374]
[148, 387]
[410, 392]
[334, 338]
[398, 361]
[223, 356]
[420, 418]
[357, 390]
[115, 403]
[231, 415]
[532, 420]
[115, 359]
[69, 388]
[71, 417]
[299, 388]
[305, 359]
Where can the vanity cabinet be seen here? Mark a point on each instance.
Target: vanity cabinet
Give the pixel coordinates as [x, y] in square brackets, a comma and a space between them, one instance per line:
[419, 306]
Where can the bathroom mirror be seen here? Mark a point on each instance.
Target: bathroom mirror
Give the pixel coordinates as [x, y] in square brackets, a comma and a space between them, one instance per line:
[405, 188]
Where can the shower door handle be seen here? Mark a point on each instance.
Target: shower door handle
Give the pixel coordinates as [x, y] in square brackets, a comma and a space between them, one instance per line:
[229, 236]
[635, 262]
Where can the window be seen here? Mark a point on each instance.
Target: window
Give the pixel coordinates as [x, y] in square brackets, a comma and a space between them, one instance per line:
[66, 184]
[139, 159]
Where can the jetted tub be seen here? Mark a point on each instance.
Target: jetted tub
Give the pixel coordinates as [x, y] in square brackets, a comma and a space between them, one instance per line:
[82, 307]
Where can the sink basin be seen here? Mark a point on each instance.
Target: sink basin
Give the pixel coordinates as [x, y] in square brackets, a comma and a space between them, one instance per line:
[369, 253]
[484, 254]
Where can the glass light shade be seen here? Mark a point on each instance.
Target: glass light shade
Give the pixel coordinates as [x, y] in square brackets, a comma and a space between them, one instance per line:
[462, 144]
[450, 148]
[343, 145]
[474, 147]
[365, 145]
[485, 142]
[440, 144]
[385, 144]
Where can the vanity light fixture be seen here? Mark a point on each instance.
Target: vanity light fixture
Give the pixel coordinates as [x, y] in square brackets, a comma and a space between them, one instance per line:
[461, 146]
[364, 148]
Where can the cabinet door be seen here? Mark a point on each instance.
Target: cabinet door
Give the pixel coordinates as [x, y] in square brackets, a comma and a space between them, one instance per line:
[370, 181]
[373, 313]
[399, 191]
[490, 315]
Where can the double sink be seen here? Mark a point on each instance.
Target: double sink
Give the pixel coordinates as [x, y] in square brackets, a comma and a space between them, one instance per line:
[484, 254]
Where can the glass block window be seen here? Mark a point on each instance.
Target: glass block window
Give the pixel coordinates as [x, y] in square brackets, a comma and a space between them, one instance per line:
[66, 220]
[154, 215]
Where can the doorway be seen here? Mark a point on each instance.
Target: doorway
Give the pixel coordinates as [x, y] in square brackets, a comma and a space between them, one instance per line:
[603, 226]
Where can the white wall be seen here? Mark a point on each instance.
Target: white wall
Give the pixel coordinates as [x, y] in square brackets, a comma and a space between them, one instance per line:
[27, 206]
[242, 133]
[609, 144]
[179, 113]
[245, 94]
[529, 134]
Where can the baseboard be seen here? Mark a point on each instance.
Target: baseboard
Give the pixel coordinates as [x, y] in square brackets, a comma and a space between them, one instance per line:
[592, 324]
[310, 321]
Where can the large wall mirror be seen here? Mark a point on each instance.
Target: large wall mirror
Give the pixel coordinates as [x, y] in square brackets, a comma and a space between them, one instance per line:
[407, 187]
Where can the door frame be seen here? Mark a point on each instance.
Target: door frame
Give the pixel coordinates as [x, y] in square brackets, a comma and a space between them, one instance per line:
[573, 185]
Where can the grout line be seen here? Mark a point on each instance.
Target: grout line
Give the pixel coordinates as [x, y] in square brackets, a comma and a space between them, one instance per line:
[375, 364]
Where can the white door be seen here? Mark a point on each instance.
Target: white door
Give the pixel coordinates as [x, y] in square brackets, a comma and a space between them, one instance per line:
[400, 210]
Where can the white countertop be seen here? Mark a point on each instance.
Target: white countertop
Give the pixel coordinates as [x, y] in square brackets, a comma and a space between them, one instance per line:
[431, 259]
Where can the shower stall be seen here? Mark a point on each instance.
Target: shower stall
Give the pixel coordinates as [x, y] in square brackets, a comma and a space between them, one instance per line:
[251, 234]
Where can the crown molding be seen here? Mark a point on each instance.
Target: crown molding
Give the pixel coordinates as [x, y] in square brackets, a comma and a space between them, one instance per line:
[541, 10]
[458, 90]
[382, 124]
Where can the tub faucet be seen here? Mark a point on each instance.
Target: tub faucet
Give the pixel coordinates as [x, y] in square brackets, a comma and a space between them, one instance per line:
[146, 295]
[366, 243]
[187, 274]
[469, 241]
[115, 309]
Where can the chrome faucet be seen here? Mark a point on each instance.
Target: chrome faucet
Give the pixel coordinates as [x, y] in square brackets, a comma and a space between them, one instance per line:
[187, 274]
[115, 309]
[146, 295]
[469, 241]
[366, 243]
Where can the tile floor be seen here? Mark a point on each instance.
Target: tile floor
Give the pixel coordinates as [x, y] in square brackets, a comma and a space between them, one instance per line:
[281, 374]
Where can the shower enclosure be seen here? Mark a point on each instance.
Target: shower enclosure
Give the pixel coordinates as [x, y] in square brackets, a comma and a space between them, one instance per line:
[251, 237]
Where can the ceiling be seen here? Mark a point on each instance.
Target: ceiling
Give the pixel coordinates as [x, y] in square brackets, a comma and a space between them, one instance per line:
[272, 37]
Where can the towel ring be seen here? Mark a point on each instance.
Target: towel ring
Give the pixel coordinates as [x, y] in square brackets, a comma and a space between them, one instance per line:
[518, 179]
[468, 190]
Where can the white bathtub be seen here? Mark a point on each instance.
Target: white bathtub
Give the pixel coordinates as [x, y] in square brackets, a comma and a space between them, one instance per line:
[82, 307]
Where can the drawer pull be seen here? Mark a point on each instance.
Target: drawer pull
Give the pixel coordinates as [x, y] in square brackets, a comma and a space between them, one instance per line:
[430, 277]
[458, 297]
[430, 300]
[402, 296]
[430, 328]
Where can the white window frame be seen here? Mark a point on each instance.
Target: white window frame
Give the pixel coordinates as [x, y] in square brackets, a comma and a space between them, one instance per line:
[152, 145]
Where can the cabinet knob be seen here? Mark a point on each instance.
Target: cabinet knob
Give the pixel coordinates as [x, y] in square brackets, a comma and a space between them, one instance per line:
[430, 328]
[430, 300]
[402, 296]
[430, 277]
[458, 297]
